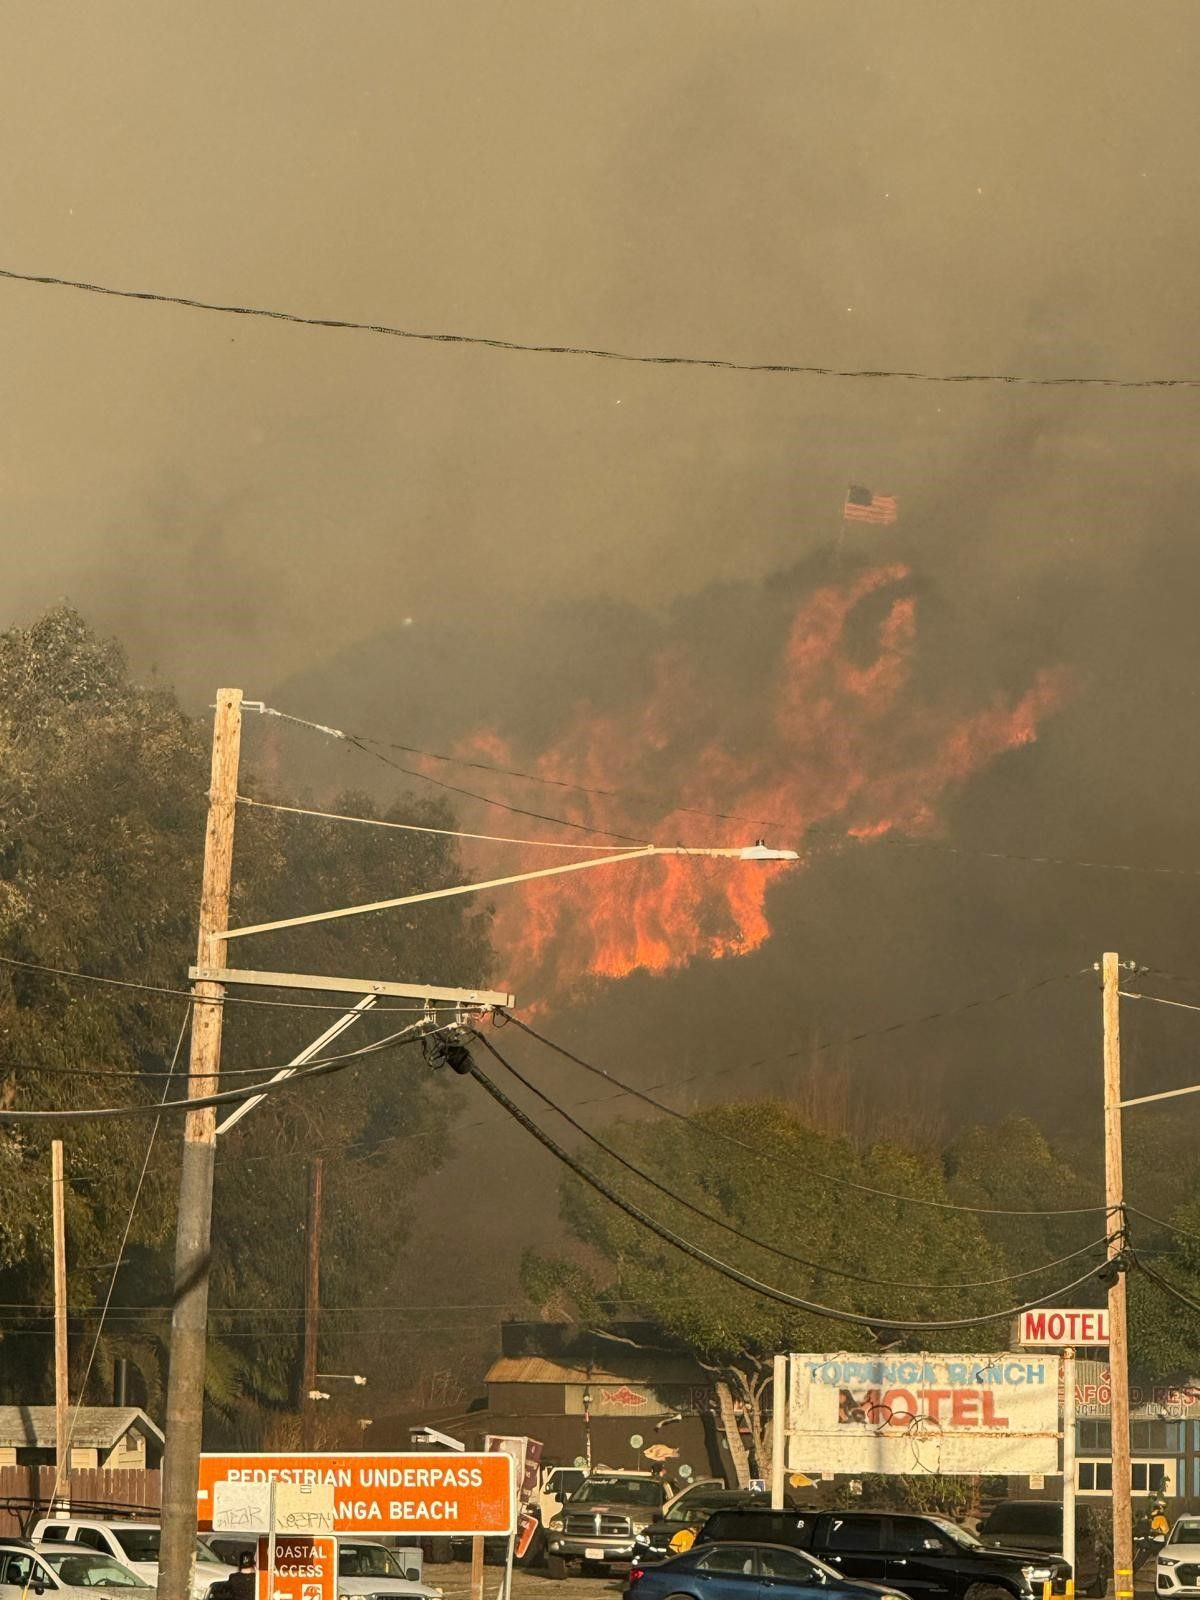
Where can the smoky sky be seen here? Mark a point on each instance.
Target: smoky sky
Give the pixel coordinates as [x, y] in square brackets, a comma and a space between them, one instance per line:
[988, 187]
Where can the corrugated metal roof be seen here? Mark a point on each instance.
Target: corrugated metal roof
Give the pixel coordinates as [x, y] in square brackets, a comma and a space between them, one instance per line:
[648, 1368]
[95, 1427]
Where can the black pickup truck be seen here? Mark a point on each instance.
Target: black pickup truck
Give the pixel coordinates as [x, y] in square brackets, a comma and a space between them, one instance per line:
[926, 1558]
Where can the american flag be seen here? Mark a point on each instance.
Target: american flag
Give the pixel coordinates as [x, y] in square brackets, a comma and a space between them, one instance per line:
[863, 506]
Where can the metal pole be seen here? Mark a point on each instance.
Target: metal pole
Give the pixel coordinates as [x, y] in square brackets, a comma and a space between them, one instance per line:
[312, 1300]
[1068, 1461]
[779, 1401]
[193, 1229]
[1118, 1348]
[61, 1377]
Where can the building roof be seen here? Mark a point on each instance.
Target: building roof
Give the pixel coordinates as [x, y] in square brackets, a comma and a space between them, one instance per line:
[640, 1366]
[94, 1427]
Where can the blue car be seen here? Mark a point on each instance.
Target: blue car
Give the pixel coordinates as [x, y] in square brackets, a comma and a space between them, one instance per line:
[747, 1572]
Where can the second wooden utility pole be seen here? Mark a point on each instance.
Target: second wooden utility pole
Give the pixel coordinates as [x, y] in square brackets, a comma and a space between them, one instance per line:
[312, 1302]
[62, 1399]
[1118, 1328]
[193, 1228]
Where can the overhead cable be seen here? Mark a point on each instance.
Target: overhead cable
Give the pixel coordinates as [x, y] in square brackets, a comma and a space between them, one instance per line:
[367, 743]
[62, 1467]
[842, 835]
[809, 1171]
[1171, 1227]
[734, 1274]
[187, 994]
[1166, 1285]
[412, 827]
[763, 1244]
[452, 788]
[319, 1068]
[490, 343]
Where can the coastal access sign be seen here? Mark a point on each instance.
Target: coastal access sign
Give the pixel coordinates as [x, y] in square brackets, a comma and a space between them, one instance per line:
[914, 1414]
[417, 1495]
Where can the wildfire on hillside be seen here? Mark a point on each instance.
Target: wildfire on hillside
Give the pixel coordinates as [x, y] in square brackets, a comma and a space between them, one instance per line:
[839, 742]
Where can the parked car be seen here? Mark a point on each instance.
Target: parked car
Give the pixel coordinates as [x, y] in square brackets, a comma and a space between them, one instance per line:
[66, 1571]
[927, 1558]
[366, 1567]
[1178, 1565]
[600, 1522]
[747, 1572]
[1038, 1525]
[134, 1544]
[683, 1517]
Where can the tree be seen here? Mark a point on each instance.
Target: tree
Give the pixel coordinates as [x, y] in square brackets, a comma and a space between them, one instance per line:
[792, 1187]
[102, 800]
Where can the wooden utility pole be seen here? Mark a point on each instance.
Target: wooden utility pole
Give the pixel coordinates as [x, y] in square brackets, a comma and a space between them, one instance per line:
[1118, 1331]
[62, 1443]
[312, 1302]
[193, 1230]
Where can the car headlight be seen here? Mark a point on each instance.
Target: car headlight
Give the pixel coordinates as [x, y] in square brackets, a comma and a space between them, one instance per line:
[1037, 1574]
[555, 1524]
[1168, 1561]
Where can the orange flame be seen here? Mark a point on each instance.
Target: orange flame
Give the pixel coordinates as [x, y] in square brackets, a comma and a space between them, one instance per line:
[833, 744]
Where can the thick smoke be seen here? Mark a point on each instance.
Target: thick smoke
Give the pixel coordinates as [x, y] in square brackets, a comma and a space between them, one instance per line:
[949, 189]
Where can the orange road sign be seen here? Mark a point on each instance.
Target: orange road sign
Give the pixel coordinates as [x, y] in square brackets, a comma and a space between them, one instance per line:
[304, 1569]
[420, 1495]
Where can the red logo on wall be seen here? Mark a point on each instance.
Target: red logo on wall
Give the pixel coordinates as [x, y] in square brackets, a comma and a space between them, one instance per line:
[624, 1396]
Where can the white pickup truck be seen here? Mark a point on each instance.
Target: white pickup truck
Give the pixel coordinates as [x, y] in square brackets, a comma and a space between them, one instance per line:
[133, 1543]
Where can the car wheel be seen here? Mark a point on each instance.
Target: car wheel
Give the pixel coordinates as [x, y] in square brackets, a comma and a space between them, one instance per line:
[988, 1591]
[556, 1567]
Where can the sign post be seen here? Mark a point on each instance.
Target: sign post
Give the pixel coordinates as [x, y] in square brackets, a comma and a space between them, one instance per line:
[1068, 1456]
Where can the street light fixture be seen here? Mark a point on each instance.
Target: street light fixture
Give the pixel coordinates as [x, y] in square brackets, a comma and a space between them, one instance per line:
[342, 1377]
[758, 851]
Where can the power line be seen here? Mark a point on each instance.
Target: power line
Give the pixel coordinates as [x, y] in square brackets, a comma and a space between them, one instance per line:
[828, 1177]
[414, 772]
[1171, 1227]
[364, 742]
[491, 343]
[1167, 1286]
[186, 994]
[412, 827]
[763, 1244]
[841, 835]
[734, 1274]
[319, 1068]
[61, 1467]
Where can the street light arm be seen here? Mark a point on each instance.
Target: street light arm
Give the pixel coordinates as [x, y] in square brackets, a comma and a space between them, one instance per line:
[755, 852]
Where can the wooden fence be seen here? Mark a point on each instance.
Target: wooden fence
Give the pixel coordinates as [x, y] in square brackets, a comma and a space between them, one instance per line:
[121, 1492]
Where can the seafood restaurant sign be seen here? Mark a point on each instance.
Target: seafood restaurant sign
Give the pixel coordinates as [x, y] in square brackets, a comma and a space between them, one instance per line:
[402, 1493]
[923, 1413]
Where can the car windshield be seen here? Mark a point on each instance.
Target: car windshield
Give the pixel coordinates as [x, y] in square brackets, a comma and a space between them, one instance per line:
[86, 1570]
[624, 1491]
[139, 1544]
[1185, 1531]
[959, 1535]
[367, 1561]
[690, 1506]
